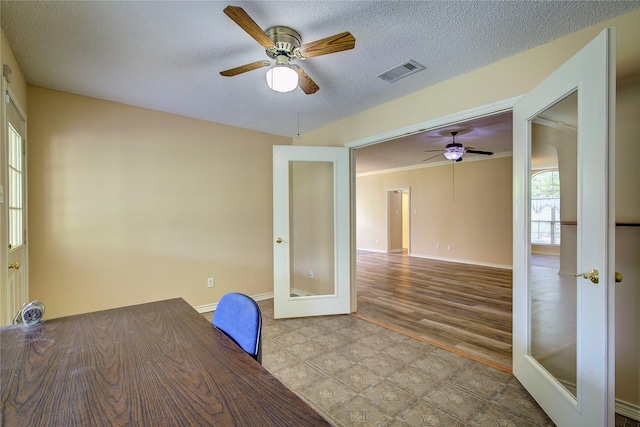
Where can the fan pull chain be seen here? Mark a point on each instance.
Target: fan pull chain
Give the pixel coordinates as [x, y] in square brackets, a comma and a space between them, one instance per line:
[299, 113]
[453, 182]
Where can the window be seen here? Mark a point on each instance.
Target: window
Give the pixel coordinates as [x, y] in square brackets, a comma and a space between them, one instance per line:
[545, 208]
[15, 166]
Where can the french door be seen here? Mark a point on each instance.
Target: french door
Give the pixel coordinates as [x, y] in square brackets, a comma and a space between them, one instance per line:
[563, 343]
[15, 272]
[311, 231]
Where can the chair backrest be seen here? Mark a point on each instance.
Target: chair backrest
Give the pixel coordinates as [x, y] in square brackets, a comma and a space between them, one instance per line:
[239, 316]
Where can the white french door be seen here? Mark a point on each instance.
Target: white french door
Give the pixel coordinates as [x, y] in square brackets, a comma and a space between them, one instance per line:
[311, 231]
[563, 343]
[15, 278]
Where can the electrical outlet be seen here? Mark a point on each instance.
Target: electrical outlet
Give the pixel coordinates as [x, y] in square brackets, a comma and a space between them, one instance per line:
[310, 274]
[210, 282]
[449, 247]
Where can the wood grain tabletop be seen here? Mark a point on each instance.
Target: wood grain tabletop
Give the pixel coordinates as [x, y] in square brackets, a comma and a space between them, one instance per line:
[152, 364]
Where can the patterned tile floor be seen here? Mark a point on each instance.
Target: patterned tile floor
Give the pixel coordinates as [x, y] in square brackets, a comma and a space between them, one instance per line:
[355, 373]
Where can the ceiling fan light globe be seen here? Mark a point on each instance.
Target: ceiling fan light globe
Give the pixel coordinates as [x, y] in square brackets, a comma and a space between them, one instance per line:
[454, 153]
[282, 78]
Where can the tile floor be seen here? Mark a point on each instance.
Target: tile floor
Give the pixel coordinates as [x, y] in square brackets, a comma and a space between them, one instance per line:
[355, 373]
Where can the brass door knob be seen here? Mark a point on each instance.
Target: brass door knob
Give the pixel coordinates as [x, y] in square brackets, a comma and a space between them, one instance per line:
[618, 277]
[279, 240]
[14, 265]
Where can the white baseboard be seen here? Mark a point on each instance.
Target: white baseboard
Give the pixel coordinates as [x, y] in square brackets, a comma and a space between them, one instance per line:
[627, 409]
[460, 261]
[207, 308]
[464, 261]
[371, 250]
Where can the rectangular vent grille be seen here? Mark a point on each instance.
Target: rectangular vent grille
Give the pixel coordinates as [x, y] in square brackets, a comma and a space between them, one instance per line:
[400, 71]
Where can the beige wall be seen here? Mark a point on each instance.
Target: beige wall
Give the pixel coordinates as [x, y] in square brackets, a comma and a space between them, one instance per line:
[467, 206]
[128, 205]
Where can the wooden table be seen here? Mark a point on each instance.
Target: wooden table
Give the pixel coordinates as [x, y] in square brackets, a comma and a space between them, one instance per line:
[156, 364]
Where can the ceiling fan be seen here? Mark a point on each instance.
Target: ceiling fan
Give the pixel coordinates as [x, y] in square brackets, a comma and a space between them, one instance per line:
[284, 44]
[454, 150]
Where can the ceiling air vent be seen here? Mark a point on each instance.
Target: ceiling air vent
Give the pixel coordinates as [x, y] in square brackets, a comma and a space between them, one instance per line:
[400, 71]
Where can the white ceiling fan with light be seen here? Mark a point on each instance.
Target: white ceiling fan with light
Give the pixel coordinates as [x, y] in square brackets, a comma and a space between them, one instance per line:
[454, 150]
[283, 44]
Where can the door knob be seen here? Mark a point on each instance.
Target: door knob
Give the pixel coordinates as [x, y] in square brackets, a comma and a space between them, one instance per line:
[618, 277]
[279, 240]
[593, 276]
[14, 265]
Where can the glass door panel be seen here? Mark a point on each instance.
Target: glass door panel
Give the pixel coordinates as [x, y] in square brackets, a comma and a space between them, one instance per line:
[311, 207]
[553, 289]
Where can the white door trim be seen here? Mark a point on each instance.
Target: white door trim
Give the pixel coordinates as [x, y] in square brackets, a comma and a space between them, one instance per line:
[451, 119]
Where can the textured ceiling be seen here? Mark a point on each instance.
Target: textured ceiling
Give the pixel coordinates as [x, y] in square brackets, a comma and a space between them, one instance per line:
[492, 133]
[167, 55]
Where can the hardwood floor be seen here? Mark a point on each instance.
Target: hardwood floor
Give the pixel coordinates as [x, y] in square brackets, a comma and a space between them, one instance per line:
[463, 308]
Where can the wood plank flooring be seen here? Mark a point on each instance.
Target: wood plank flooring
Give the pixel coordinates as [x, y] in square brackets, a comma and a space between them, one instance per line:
[460, 307]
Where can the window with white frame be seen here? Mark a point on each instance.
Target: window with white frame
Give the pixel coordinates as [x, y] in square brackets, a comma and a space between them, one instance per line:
[16, 193]
[545, 208]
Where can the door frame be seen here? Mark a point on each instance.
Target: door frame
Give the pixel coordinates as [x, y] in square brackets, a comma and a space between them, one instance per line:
[6, 312]
[402, 191]
[475, 113]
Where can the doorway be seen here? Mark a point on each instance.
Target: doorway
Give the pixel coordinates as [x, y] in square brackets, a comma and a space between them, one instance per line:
[456, 214]
[626, 230]
[398, 224]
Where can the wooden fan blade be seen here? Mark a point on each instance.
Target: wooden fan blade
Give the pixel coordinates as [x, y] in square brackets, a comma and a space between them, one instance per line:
[333, 44]
[245, 22]
[244, 68]
[307, 85]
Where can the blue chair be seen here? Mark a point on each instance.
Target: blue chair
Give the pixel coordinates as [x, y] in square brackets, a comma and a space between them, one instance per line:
[239, 316]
